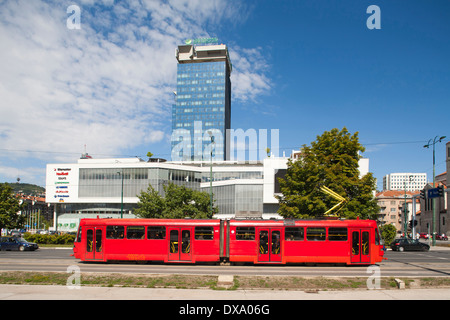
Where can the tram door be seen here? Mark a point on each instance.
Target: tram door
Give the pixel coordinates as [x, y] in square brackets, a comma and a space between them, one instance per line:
[269, 245]
[180, 244]
[360, 245]
[94, 243]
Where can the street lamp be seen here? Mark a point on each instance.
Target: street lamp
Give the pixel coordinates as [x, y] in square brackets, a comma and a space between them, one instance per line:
[121, 196]
[405, 226]
[434, 182]
[210, 173]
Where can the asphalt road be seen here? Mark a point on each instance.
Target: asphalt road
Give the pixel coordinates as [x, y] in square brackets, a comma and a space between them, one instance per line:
[435, 262]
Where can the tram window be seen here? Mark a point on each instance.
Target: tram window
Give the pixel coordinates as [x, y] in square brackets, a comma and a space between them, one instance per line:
[89, 240]
[78, 239]
[263, 242]
[173, 246]
[135, 232]
[355, 243]
[156, 233]
[98, 240]
[294, 233]
[245, 233]
[337, 234]
[365, 243]
[315, 234]
[377, 237]
[186, 241]
[115, 232]
[204, 233]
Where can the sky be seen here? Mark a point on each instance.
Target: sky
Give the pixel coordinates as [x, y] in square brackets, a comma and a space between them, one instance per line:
[299, 66]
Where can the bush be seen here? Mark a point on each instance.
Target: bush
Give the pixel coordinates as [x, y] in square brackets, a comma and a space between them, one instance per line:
[49, 239]
[388, 233]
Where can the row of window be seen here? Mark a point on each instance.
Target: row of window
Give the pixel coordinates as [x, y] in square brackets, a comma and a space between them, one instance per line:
[199, 88]
[114, 174]
[210, 124]
[153, 232]
[201, 96]
[199, 110]
[184, 81]
[213, 116]
[208, 66]
[201, 75]
[200, 102]
[242, 233]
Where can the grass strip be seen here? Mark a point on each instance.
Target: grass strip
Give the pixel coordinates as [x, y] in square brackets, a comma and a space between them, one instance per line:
[202, 281]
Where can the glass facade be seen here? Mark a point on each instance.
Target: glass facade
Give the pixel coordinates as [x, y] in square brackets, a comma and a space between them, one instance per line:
[202, 105]
[231, 175]
[240, 197]
[108, 182]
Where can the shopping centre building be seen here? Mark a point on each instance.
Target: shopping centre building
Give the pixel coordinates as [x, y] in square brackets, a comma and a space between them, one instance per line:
[94, 187]
[101, 187]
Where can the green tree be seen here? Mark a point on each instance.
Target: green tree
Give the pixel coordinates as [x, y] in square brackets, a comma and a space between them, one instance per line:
[178, 202]
[9, 208]
[388, 233]
[331, 161]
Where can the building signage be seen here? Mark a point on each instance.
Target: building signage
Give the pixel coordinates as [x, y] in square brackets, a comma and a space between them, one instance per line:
[60, 183]
[202, 41]
[433, 193]
[62, 174]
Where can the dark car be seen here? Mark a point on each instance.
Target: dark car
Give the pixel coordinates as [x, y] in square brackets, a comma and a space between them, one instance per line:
[11, 243]
[409, 245]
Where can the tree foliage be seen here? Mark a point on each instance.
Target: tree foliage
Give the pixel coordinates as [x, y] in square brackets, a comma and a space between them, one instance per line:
[9, 208]
[332, 161]
[179, 202]
[388, 233]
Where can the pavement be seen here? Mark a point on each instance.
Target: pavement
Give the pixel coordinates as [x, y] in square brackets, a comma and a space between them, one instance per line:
[49, 292]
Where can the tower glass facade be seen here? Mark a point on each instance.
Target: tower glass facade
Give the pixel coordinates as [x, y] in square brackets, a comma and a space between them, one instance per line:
[202, 109]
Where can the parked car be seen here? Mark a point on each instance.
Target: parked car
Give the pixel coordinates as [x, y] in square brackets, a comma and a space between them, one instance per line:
[441, 237]
[15, 233]
[409, 245]
[12, 243]
[423, 235]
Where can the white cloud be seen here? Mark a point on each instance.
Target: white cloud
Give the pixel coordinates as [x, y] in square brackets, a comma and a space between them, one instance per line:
[108, 85]
[25, 174]
[249, 77]
[64, 88]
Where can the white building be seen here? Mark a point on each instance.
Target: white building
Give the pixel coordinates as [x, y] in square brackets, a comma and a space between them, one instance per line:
[400, 181]
[93, 187]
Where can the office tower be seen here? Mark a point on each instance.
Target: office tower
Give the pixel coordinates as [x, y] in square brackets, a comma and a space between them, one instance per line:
[202, 110]
[402, 181]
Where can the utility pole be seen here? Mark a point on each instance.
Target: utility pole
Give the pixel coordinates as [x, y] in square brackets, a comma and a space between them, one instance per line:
[413, 225]
[434, 184]
[211, 174]
[121, 194]
[405, 207]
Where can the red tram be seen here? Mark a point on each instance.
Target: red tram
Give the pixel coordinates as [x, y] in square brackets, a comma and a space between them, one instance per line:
[255, 241]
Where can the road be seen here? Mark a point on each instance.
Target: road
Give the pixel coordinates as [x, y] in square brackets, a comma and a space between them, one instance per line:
[435, 262]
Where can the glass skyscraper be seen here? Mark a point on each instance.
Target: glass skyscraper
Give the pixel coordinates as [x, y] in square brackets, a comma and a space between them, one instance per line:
[202, 110]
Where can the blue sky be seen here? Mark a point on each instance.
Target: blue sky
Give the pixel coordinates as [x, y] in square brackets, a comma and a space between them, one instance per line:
[303, 67]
